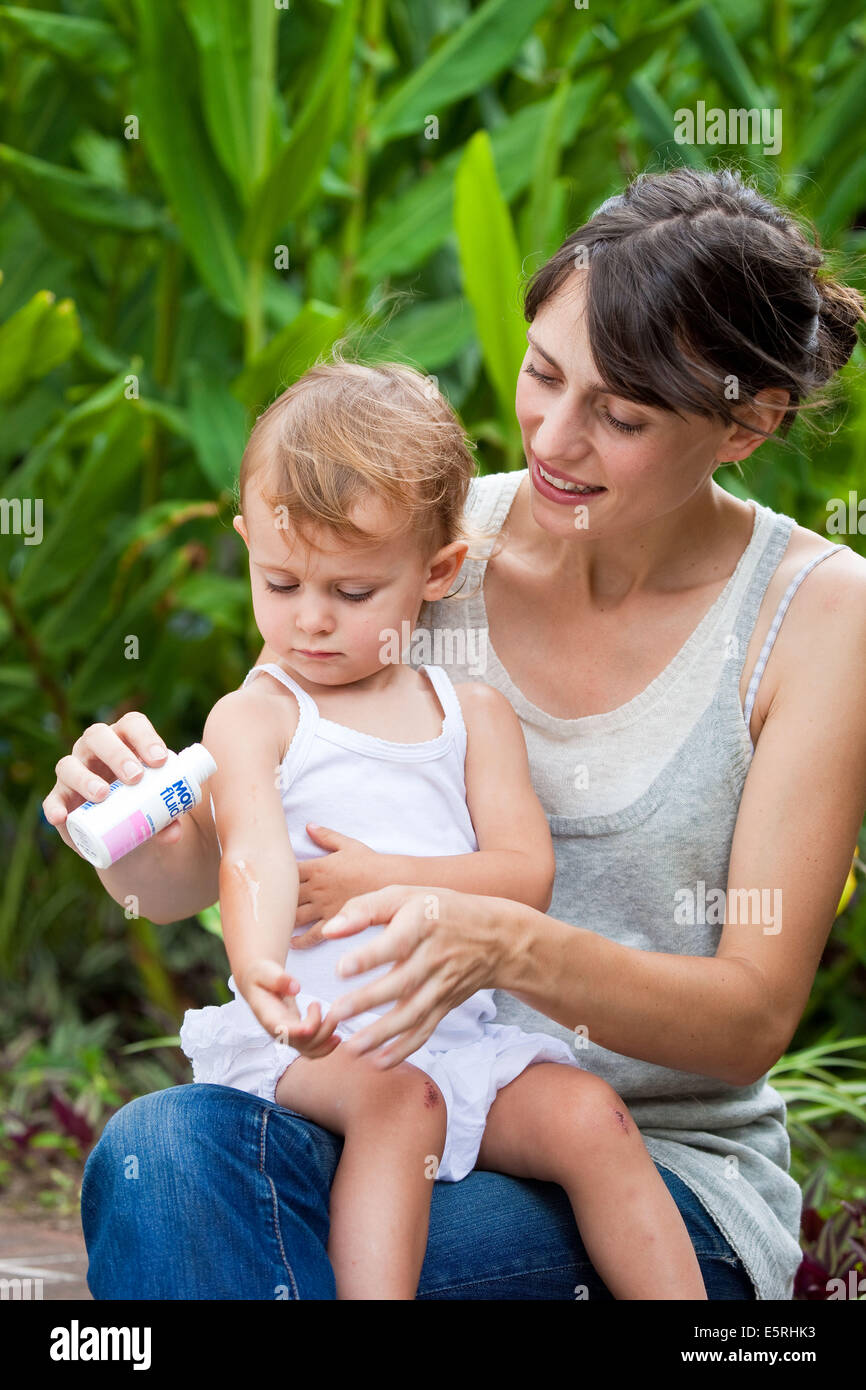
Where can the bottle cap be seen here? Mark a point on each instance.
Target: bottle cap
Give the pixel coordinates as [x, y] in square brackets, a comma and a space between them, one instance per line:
[199, 761]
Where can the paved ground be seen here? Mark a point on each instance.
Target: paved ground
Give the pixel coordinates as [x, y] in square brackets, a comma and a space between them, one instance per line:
[33, 1249]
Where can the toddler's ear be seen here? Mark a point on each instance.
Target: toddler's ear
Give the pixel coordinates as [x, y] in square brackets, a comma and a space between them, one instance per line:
[240, 526]
[443, 570]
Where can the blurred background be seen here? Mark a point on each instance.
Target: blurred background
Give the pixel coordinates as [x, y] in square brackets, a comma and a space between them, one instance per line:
[198, 198]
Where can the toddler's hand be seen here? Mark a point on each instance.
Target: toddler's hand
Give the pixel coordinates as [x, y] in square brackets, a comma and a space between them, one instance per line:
[326, 882]
[314, 1037]
[268, 990]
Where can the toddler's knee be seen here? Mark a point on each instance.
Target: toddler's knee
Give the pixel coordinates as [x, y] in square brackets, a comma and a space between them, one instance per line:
[594, 1107]
[405, 1087]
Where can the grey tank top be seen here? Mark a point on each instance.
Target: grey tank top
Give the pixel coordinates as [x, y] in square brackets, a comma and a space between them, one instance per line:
[649, 875]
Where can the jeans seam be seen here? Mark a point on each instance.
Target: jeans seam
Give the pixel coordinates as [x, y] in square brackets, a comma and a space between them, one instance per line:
[518, 1274]
[575, 1265]
[269, 1180]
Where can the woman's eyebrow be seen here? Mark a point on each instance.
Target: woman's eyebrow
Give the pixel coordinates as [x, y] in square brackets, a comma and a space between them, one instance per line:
[597, 388]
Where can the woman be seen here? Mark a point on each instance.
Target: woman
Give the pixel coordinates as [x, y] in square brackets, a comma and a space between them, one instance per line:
[702, 763]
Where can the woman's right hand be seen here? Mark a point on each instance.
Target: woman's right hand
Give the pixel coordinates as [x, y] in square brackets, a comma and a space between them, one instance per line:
[103, 754]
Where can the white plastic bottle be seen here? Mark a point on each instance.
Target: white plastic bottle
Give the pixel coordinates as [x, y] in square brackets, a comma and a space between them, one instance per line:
[104, 831]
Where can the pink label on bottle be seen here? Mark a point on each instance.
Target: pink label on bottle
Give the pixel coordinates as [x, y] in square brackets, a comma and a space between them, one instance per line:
[127, 835]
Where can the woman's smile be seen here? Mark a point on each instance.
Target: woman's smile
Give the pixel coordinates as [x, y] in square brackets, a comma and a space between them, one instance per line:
[558, 486]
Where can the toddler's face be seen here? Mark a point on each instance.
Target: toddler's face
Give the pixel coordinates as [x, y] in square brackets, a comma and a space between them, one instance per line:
[329, 613]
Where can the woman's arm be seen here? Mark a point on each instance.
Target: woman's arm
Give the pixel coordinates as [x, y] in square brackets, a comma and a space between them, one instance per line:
[731, 1015]
[174, 874]
[514, 859]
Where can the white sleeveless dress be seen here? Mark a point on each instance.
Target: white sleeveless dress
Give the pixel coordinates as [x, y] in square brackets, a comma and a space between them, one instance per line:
[398, 798]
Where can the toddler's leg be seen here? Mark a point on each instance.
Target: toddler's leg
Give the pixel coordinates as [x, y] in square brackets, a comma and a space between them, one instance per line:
[557, 1124]
[393, 1123]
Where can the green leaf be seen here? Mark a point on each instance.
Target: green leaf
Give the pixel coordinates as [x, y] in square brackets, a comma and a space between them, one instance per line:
[36, 340]
[404, 231]
[225, 601]
[293, 177]
[210, 919]
[177, 147]
[58, 337]
[289, 353]
[223, 33]
[490, 265]
[474, 54]
[15, 875]
[626, 56]
[834, 119]
[656, 121]
[835, 210]
[218, 426]
[77, 527]
[724, 59]
[148, 1044]
[536, 221]
[16, 343]
[55, 194]
[88, 43]
[103, 676]
[428, 335]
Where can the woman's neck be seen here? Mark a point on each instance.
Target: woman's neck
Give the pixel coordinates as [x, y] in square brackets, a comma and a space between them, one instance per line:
[699, 542]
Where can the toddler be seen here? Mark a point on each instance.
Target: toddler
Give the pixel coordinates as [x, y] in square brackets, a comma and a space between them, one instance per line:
[352, 491]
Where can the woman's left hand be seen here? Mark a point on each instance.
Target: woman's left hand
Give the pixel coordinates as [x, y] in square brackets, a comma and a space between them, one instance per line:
[445, 945]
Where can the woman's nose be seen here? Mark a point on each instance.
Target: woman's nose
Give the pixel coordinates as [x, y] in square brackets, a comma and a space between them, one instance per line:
[562, 435]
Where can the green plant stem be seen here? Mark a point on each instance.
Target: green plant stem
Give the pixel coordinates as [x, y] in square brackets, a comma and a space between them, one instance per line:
[167, 310]
[254, 318]
[359, 157]
[44, 671]
[263, 48]
[164, 338]
[781, 29]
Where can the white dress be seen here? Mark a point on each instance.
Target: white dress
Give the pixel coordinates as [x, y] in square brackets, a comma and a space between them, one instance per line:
[398, 798]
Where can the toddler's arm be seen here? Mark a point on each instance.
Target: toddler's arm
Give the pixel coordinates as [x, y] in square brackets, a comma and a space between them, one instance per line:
[258, 873]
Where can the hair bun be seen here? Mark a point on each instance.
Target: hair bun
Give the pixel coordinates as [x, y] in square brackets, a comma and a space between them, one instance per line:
[840, 311]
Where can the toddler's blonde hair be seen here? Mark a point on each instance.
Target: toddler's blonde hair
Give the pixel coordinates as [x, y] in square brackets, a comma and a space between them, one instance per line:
[344, 431]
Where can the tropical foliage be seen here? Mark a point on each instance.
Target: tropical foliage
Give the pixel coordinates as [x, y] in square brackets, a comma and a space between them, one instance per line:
[199, 198]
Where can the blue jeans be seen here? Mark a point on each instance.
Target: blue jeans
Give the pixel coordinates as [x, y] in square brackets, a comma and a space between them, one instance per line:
[207, 1192]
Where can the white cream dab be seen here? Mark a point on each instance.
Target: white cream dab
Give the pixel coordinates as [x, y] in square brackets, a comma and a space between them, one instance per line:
[251, 885]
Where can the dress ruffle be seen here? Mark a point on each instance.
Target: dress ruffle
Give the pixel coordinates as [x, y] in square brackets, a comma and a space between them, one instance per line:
[227, 1046]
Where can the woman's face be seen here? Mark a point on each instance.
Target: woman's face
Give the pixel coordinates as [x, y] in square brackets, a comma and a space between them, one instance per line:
[640, 463]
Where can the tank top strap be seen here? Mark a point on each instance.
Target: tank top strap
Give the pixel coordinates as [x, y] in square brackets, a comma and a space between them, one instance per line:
[308, 719]
[450, 703]
[741, 624]
[772, 634]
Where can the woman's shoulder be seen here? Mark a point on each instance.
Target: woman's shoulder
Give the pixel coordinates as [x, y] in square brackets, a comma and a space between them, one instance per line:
[823, 605]
[844, 571]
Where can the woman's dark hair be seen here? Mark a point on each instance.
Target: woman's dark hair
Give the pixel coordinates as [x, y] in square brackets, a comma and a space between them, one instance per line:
[701, 293]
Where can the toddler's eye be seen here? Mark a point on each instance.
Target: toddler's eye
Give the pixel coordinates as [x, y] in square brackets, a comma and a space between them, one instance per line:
[290, 589]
